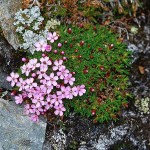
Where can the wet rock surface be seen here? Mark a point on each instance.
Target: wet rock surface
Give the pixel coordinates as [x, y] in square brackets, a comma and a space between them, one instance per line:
[17, 131]
[8, 8]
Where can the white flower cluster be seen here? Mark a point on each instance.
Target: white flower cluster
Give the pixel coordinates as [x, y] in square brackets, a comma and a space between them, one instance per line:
[52, 24]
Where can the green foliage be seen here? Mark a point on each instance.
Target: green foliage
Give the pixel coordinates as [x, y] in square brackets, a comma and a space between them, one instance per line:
[100, 62]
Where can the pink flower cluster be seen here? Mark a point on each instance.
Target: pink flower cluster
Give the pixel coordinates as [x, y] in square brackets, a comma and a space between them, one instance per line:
[42, 44]
[45, 84]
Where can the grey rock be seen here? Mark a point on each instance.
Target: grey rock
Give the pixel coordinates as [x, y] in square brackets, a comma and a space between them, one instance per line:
[8, 8]
[18, 132]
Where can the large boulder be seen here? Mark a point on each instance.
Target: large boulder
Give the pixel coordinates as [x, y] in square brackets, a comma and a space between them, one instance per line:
[8, 8]
[17, 131]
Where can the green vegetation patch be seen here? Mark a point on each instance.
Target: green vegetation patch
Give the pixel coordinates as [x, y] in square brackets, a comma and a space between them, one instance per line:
[99, 61]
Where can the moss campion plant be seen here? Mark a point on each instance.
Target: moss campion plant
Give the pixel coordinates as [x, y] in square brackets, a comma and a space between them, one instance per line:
[97, 60]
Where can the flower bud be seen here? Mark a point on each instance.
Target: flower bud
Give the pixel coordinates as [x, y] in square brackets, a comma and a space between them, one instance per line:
[69, 30]
[48, 48]
[81, 43]
[33, 75]
[62, 52]
[59, 45]
[24, 59]
[64, 58]
[55, 51]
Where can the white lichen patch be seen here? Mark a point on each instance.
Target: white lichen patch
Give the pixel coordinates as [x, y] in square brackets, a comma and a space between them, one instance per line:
[28, 24]
[115, 134]
[143, 105]
[134, 30]
[58, 140]
[52, 24]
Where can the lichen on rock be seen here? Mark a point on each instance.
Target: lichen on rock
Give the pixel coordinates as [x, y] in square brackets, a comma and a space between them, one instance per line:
[7, 11]
[143, 105]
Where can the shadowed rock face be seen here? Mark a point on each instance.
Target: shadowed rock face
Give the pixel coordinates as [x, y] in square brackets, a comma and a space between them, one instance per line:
[9, 60]
[8, 8]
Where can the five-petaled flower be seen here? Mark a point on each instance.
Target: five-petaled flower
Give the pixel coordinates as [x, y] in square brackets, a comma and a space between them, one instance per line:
[59, 110]
[52, 37]
[41, 45]
[69, 79]
[18, 99]
[13, 78]
[58, 65]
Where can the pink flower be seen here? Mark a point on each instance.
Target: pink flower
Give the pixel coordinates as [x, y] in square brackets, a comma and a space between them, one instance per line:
[46, 61]
[69, 79]
[18, 99]
[59, 110]
[62, 93]
[38, 101]
[51, 80]
[34, 118]
[26, 69]
[33, 64]
[43, 67]
[48, 48]
[42, 110]
[27, 109]
[75, 91]
[48, 103]
[69, 93]
[21, 83]
[39, 111]
[30, 92]
[56, 100]
[13, 78]
[24, 94]
[58, 64]
[29, 83]
[40, 46]
[41, 74]
[81, 89]
[52, 37]
[46, 88]
[63, 72]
